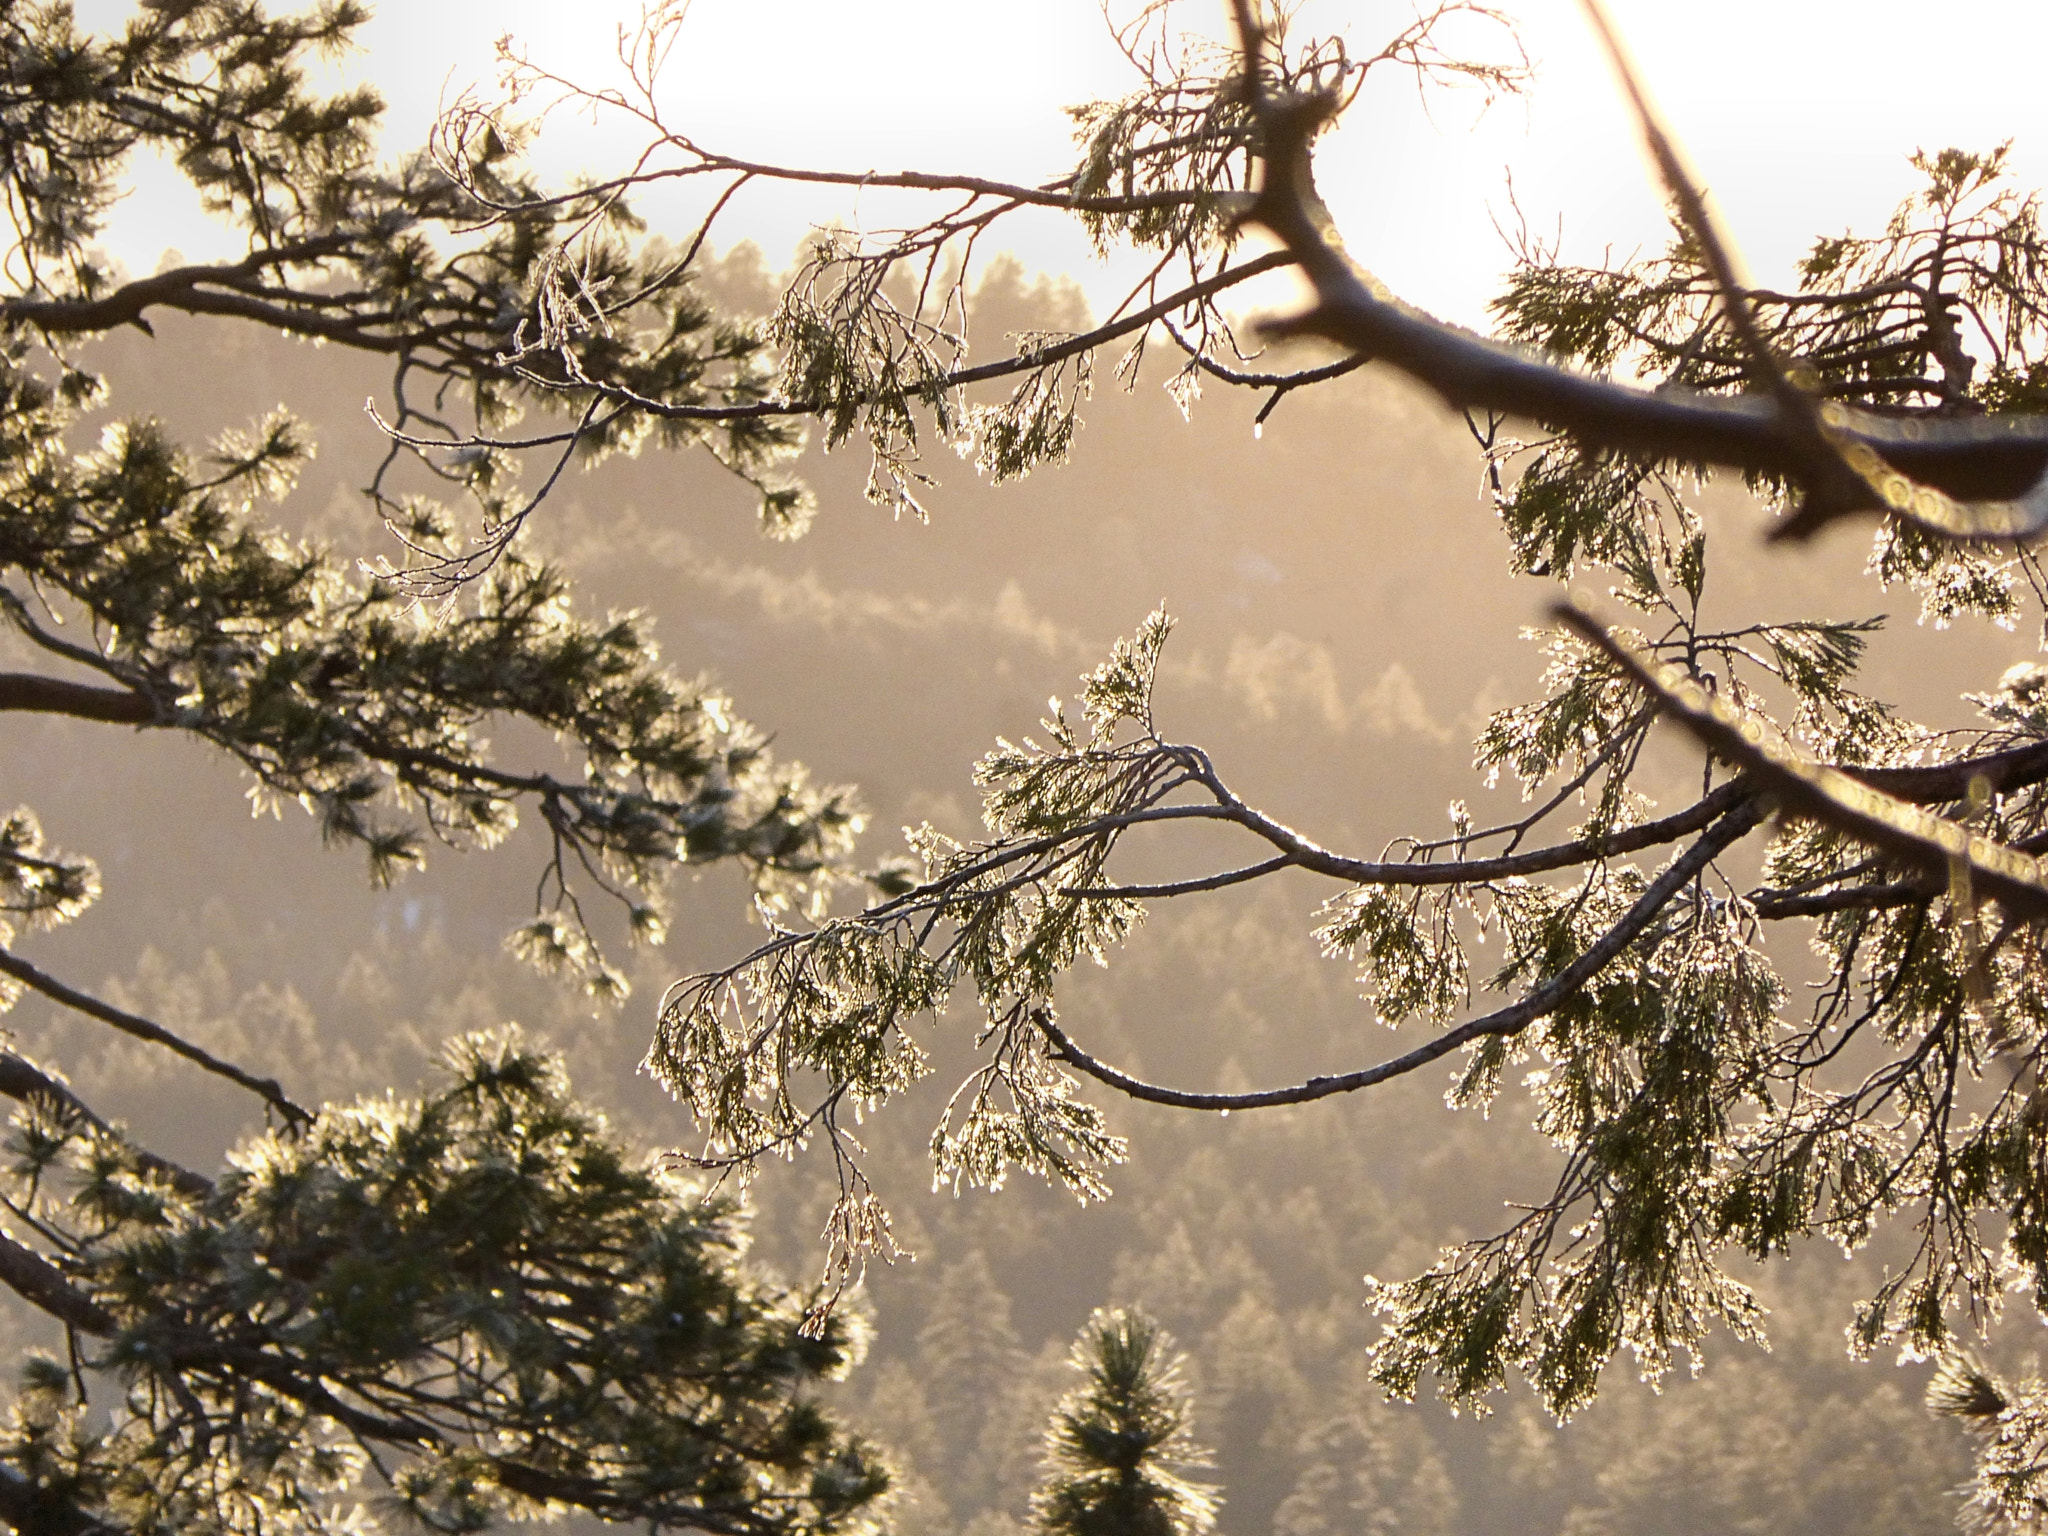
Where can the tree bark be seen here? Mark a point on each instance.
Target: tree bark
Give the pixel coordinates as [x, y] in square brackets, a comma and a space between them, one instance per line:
[82, 701]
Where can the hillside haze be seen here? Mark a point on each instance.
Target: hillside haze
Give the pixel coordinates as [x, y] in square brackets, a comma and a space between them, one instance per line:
[1346, 621]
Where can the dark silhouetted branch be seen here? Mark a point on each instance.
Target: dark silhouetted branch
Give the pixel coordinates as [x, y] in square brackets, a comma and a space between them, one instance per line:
[35, 1511]
[142, 1029]
[29, 691]
[40, 1283]
[181, 288]
[1941, 783]
[1848, 898]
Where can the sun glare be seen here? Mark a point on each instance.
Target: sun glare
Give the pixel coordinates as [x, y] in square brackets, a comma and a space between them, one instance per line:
[1791, 112]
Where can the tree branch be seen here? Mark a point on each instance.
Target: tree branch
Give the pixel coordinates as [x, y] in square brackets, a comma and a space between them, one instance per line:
[142, 1029]
[24, 1081]
[32, 692]
[35, 1511]
[1002, 367]
[1943, 783]
[1511, 1020]
[1051, 195]
[40, 1283]
[1190, 887]
[1975, 458]
[1304, 854]
[43, 1285]
[172, 289]
[1849, 898]
[1940, 849]
[1931, 784]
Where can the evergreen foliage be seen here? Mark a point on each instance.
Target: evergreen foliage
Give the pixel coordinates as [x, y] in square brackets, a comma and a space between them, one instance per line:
[345, 691]
[1700, 1115]
[460, 1346]
[1117, 1448]
[478, 1292]
[2009, 1420]
[478, 1300]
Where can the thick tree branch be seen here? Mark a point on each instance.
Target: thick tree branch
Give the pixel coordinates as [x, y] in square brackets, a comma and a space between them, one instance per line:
[142, 1029]
[1828, 478]
[1848, 898]
[1945, 783]
[40, 1283]
[1979, 458]
[176, 288]
[18, 614]
[29, 691]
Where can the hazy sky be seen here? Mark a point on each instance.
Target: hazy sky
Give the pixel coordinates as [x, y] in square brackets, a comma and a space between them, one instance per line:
[1799, 113]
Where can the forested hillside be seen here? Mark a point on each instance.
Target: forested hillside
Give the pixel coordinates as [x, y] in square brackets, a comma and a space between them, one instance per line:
[1346, 622]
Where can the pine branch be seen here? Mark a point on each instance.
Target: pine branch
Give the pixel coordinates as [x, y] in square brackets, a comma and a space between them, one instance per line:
[958, 378]
[1301, 853]
[1511, 1020]
[1940, 849]
[40, 1283]
[1930, 784]
[1772, 905]
[44, 1286]
[34, 1511]
[25, 1082]
[143, 1029]
[1994, 461]
[31, 692]
[176, 288]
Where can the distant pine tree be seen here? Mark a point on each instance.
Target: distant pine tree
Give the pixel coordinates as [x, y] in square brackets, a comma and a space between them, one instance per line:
[1117, 1447]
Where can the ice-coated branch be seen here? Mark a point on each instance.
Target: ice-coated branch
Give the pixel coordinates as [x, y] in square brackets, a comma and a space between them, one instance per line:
[1936, 846]
[1517, 1016]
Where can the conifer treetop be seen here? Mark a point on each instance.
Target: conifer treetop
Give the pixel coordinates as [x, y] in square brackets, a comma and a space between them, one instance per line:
[1119, 1447]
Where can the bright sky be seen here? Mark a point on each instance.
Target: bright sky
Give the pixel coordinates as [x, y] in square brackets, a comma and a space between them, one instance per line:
[1799, 114]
